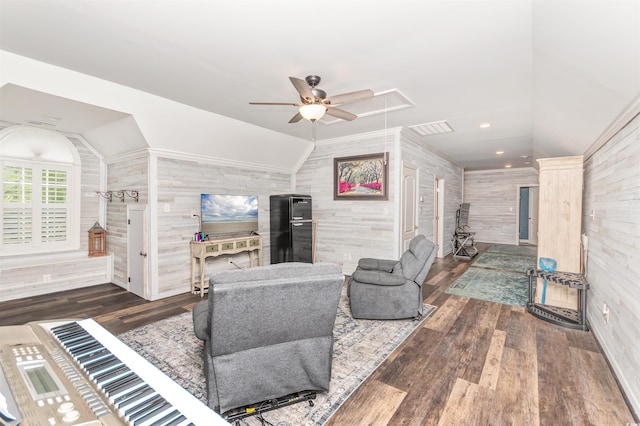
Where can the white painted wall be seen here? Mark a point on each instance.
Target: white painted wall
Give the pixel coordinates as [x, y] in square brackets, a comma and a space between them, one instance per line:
[161, 121]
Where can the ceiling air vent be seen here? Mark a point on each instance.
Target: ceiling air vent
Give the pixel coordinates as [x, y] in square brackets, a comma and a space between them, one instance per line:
[433, 128]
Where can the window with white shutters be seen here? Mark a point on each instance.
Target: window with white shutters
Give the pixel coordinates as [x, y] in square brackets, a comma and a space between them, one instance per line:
[39, 198]
[17, 211]
[35, 206]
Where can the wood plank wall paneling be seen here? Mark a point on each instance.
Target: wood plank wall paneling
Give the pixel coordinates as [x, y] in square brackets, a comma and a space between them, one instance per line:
[611, 221]
[431, 166]
[349, 230]
[45, 273]
[89, 201]
[180, 183]
[56, 274]
[493, 197]
[127, 174]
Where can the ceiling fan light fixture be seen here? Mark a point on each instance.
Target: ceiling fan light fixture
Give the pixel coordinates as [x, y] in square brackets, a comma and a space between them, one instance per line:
[312, 112]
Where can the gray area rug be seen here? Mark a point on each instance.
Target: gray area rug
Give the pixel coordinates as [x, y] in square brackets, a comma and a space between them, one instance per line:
[498, 275]
[505, 262]
[360, 346]
[513, 249]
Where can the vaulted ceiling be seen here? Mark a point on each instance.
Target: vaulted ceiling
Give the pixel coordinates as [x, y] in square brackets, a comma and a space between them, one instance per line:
[549, 75]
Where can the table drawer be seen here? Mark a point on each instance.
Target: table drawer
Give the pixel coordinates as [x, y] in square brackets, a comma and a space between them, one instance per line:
[212, 248]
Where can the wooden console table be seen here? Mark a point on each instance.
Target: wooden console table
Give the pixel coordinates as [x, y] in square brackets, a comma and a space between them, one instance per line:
[566, 317]
[200, 250]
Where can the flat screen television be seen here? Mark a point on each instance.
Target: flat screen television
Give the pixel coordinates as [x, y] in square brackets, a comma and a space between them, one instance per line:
[229, 215]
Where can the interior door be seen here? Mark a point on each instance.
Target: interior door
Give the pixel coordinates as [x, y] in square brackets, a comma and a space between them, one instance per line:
[533, 215]
[409, 205]
[523, 214]
[136, 250]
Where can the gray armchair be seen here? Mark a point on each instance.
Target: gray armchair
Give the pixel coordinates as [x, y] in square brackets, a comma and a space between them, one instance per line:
[392, 289]
[268, 332]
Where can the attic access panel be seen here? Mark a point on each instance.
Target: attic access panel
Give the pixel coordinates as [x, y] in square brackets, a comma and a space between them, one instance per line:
[390, 100]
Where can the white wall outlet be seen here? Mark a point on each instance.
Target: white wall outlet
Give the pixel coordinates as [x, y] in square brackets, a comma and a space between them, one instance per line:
[46, 278]
[195, 213]
[167, 208]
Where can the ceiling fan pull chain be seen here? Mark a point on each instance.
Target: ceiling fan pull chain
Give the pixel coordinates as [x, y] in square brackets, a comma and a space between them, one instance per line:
[385, 130]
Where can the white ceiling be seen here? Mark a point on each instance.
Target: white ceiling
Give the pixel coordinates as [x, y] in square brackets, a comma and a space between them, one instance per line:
[550, 75]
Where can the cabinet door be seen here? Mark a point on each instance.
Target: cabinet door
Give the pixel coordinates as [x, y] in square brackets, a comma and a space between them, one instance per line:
[300, 208]
[302, 241]
[559, 224]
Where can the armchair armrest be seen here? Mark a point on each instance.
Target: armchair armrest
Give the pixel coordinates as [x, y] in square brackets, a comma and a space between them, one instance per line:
[378, 277]
[377, 264]
[201, 324]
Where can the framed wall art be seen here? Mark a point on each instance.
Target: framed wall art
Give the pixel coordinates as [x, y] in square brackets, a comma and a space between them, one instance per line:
[361, 177]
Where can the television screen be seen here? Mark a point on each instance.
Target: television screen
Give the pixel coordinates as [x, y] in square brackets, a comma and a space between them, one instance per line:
[224, 215]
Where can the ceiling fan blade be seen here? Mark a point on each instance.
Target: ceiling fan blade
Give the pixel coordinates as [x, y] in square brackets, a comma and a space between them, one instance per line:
[346, 98]
[340, 113]
[303, 88]
[274, 103]
[296, 118]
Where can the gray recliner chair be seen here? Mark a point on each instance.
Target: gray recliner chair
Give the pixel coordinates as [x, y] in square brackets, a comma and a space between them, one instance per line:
[392, 289]
[268, 332]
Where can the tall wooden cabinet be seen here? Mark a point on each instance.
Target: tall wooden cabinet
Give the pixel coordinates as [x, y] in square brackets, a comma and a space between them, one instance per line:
[560, 223]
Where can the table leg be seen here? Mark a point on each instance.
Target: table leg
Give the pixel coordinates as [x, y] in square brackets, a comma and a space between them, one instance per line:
[202, 267]
[193, 275]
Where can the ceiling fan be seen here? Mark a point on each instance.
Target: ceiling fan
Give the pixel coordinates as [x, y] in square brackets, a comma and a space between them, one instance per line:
[314, 102]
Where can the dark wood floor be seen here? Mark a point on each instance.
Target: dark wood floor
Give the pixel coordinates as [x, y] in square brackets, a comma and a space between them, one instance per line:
[471, 363]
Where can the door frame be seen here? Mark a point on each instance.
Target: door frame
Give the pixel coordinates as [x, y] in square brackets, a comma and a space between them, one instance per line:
[518, 187]
[438, 216]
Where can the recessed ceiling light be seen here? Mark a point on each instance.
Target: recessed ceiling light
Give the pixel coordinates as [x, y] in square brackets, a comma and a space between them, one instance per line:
[485, 125]
[507, 166]
[499, 152]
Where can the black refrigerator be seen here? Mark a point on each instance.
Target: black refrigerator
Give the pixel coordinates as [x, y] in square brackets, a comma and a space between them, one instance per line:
[291, 228]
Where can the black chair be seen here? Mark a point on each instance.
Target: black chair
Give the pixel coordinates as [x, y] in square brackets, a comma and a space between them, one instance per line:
[463, 241]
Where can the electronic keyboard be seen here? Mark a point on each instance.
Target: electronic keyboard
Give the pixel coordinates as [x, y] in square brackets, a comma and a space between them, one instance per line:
[77, 373]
